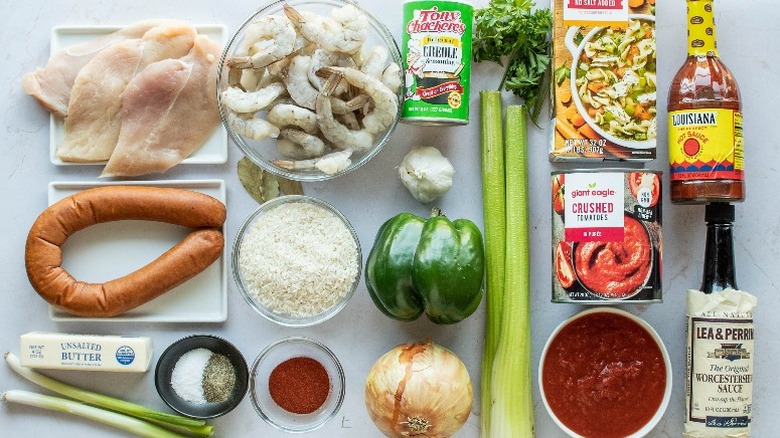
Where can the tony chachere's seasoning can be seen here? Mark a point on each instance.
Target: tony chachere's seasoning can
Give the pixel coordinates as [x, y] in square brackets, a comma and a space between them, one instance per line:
[606, 236]
[436, 46]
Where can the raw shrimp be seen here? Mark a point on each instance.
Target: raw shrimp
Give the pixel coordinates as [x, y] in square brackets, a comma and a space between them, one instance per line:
[338, 134]
[246, 79]
[322, 58]
[311, 145]
[339, 106]
[251, 101]
[349, 120]
[344, 31]
[391, 77]
[374, 62]
[285, 114]
[271, 38]
[330, 164]
[297, 81]
[385, 101]
[252, 127]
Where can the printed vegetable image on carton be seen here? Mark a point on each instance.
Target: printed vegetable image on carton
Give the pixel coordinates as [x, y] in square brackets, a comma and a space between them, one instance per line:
[604, 81]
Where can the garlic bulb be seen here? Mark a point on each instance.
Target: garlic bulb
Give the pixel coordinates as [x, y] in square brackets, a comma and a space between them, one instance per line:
[426, 173]
[419, 389]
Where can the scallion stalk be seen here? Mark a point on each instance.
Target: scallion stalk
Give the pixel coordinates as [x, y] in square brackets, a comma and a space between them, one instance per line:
[493, 198]
[130, 424]
[191, 425]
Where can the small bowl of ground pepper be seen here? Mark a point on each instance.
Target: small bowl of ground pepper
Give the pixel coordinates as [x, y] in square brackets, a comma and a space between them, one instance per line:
[296, 384]
[202, 376]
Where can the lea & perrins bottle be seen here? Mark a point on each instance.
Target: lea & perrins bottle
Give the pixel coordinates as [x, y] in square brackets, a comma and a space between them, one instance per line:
[705, 120]
[719, 372]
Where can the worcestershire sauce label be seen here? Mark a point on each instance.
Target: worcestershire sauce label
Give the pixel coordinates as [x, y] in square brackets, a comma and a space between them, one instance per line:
[719, 378]
[436, 46]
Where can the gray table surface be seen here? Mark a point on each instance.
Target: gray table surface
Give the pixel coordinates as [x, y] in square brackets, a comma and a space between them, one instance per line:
[748, 34]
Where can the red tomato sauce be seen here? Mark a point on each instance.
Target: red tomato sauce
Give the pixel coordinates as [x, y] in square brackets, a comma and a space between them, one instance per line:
[604, 376]
[616, 269]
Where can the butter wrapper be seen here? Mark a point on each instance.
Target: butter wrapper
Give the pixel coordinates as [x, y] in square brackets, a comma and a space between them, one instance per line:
[85, 352]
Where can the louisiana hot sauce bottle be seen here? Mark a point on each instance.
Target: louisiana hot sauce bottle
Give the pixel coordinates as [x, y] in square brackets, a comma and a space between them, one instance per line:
[705, 120]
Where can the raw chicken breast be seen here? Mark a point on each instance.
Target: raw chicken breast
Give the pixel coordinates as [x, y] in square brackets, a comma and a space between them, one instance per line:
[52, 84]
[92, 125]
[93, 122]
[161, 127]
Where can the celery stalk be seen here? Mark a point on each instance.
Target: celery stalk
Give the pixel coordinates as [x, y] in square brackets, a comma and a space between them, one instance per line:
[191, 425]
[492, 140]
[512, 413]
[130, 424]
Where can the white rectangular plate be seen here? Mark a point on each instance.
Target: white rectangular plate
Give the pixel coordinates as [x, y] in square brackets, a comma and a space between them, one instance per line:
[106, 251]
[213, 151]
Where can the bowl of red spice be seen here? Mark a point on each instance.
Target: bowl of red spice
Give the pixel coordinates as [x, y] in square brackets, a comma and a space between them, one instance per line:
[296, 384]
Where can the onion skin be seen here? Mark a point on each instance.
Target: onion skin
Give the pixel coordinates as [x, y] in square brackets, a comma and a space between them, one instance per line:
[419, 389]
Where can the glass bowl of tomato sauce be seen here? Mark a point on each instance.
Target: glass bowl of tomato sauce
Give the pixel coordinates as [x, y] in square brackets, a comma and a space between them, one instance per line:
[605, 372]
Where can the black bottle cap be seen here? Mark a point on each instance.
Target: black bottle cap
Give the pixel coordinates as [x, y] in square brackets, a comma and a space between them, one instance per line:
[719, 212]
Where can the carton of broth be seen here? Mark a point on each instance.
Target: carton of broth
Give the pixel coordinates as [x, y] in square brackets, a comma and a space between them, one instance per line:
[604, 81]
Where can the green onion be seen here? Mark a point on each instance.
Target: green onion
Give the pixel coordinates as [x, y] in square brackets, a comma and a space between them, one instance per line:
[194, 426]
[495, 229]
[129, 424]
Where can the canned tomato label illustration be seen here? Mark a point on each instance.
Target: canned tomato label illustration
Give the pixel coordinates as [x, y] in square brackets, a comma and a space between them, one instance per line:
[606, 236]
[436, 46]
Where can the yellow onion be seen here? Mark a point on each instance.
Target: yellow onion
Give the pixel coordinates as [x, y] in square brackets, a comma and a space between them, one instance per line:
[419, 389]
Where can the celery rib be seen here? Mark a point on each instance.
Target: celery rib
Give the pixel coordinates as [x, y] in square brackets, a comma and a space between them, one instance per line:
[493, 195]
[512, 413]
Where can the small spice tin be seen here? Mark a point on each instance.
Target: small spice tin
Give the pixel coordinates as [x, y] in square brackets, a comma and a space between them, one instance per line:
[202, 376]
[606, 236]
[296, 384]
[436, 48]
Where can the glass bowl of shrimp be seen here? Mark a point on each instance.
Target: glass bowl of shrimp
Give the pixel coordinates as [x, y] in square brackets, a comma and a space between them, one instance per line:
[310, 89]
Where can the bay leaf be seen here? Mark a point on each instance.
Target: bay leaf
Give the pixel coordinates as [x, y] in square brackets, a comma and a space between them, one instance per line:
[253, 179]
[264, 186]
[290, 187]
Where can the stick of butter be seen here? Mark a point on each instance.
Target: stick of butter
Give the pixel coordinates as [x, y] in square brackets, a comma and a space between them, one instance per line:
[85, 352]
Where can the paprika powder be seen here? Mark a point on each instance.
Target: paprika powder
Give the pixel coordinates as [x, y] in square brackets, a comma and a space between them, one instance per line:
[299, 385]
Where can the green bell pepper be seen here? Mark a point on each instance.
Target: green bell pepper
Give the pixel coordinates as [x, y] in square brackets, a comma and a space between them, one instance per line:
[434, 266]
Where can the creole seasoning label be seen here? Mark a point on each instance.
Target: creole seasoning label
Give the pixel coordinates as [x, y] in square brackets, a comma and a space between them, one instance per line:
[437, 61]
[595, 12]
[705, 144]
[719, 376]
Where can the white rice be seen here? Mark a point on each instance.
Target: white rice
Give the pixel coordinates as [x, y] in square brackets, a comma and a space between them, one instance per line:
[298, 259]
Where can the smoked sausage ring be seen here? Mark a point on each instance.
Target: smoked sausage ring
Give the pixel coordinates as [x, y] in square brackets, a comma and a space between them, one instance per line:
[43, 251]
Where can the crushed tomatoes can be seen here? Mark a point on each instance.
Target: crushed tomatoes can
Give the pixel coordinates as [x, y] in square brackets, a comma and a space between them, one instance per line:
[606, 236]
[436, 48]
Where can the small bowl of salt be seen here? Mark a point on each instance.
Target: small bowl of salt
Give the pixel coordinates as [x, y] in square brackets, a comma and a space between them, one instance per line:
[202, 376]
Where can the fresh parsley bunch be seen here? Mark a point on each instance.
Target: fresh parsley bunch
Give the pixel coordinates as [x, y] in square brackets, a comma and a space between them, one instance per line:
[511, 30]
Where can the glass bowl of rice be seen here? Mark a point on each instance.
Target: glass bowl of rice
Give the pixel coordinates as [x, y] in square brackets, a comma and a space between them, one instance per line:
[296, 260]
